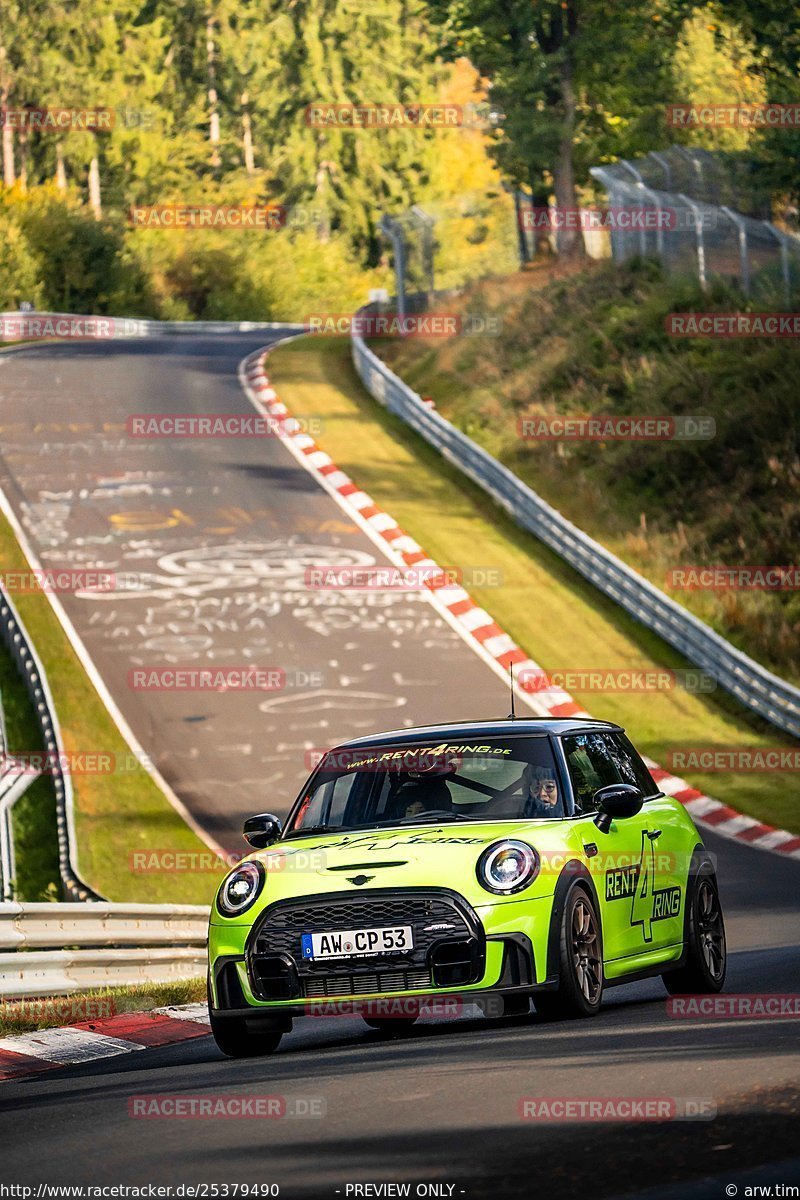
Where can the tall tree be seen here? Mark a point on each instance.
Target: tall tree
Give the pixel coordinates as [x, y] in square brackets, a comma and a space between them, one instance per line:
[572, 78]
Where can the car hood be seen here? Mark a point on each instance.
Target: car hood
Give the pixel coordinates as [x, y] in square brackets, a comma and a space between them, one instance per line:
[435, 855]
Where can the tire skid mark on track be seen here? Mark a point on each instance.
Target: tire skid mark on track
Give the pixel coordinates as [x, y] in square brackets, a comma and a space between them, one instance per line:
[474, 623]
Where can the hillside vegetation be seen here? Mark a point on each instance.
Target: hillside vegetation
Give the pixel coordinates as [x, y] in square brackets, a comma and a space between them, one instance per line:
[595, 343]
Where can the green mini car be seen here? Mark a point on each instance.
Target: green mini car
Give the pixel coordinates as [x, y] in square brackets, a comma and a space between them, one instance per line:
[492, 864]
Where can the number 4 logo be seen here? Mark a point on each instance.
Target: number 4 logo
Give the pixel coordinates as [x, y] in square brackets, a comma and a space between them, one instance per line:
[643, 898]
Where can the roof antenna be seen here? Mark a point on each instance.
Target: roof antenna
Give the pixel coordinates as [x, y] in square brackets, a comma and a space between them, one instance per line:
[512, 716]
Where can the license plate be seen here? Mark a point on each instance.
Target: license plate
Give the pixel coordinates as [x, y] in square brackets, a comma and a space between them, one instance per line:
[357, 942]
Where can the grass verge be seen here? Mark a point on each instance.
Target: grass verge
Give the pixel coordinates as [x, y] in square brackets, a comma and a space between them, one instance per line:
[554, 615]
[49, 1012]
[596, 343]
[115, 813]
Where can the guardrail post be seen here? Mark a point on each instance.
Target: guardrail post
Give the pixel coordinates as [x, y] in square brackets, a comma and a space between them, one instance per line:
[701, 248]
[394, 232]
[783, 242]
[427, 222]
[744, 262]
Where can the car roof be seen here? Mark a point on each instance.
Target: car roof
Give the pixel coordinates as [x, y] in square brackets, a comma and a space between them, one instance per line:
[521, 726]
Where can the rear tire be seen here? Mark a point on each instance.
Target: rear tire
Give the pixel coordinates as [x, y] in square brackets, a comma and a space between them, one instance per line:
[580, 963]
[705, 966]
[235, 1040]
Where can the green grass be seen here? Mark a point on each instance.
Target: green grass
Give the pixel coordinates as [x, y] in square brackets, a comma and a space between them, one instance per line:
[115, 814]
[595, 342]
[48, 1012]
[557, 618]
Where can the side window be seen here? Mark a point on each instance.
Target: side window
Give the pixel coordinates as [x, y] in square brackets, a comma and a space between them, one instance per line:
[633, 769]
[592, 760]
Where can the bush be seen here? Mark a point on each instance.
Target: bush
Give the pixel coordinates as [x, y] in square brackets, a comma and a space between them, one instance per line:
[234, 275]
[75, 263]
[19, 267]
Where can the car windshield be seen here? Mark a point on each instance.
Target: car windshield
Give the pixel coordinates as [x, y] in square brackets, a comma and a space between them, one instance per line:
[491, 780]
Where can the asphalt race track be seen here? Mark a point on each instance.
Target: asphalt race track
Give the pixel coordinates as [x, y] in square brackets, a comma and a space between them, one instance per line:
[442, 1105]
[212, 538]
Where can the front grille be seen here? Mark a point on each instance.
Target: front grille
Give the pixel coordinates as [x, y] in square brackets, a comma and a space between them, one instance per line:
[277, 937]
[366, 983]
[280, 933]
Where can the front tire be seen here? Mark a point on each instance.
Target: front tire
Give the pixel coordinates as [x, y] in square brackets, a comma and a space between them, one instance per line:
[706, 960]
[235, 1040]
[580, 963]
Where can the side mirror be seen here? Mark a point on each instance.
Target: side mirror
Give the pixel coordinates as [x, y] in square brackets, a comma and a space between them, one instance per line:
[615, 802]
[262, 830]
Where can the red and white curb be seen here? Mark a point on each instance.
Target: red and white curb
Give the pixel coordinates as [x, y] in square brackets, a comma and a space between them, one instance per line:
[72, 1045]
[471, 621]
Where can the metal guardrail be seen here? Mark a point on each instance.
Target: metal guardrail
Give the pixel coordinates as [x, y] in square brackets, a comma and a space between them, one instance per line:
[752, 684]
[16, 638]
[20, 326]
[16, 777]
[61, 972]
[109, 944]
[43, 926]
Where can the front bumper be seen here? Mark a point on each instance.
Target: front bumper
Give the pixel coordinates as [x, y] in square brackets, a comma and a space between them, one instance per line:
[490, 950]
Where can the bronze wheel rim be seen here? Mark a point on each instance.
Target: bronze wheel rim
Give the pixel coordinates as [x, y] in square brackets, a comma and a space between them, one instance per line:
[710, 929]
[586, 951]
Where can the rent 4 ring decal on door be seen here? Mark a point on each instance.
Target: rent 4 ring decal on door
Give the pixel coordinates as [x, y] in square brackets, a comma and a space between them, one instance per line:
[637, 883]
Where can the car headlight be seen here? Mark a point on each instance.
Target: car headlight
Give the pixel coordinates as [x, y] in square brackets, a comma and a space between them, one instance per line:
[240, 888]
[507, 867]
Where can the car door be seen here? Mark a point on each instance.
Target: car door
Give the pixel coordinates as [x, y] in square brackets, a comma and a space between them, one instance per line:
[673, 844]
[624, 869]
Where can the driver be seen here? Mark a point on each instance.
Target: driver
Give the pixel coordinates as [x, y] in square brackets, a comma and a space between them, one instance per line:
[414, 808]
[540, 789]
